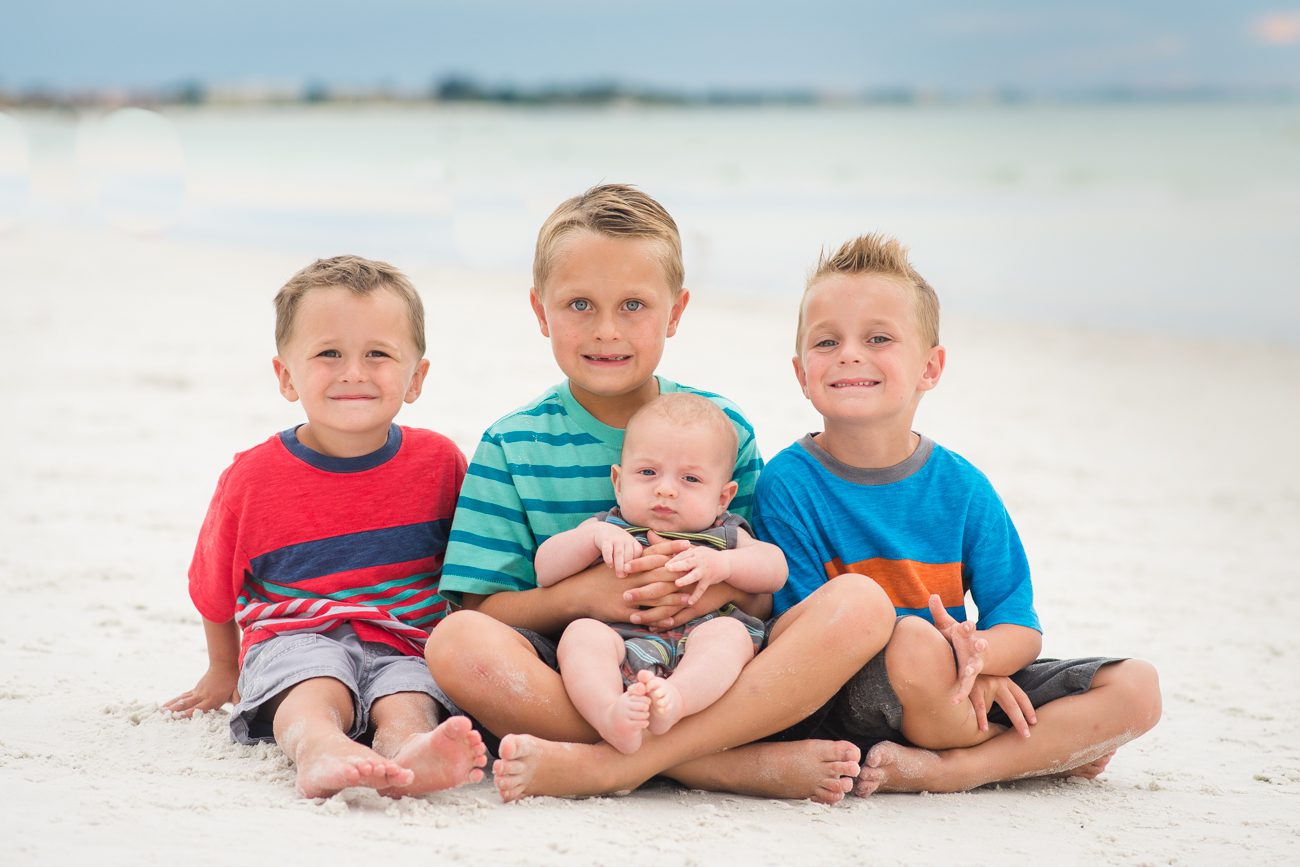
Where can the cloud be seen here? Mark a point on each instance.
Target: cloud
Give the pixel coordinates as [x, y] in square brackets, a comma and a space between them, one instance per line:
[1277, 28]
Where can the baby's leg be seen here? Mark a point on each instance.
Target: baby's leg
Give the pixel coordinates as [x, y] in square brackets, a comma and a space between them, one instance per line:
[923, 673]
[716, 652]
[441, 756]
[590, 655]
[311, 721]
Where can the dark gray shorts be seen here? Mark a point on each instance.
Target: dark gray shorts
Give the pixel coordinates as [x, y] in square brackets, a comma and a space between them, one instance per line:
[866, 710]
[369, 670]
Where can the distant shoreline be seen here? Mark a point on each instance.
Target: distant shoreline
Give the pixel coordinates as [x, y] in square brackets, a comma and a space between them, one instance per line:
[462, 91]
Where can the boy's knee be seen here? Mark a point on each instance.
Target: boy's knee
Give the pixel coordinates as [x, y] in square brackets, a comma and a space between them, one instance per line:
[918, 657]
[1138, 682]
[858, 599]
[453, 641]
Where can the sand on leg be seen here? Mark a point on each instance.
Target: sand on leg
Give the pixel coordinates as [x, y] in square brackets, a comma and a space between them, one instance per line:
[440, 754]
[590, 655]
[310, 723]
[850, 615]
[1076, 732]
[493, 673]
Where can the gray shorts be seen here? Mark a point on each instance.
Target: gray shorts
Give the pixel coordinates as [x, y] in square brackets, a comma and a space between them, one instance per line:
[866, 710]
[369, 670]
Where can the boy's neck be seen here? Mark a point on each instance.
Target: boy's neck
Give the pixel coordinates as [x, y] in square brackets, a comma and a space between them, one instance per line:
[615, 410]
[867, 448]
[336, 444]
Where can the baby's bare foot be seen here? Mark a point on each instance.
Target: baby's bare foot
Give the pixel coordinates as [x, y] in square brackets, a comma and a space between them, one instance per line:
[451, 755]
[334, 764]
[666, 704]
[627, 719]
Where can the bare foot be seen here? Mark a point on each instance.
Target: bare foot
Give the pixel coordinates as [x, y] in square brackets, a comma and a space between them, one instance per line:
[821, 771]
[626, 722]
[1090, 771]
[891, 767]
[666, 704]
[331, 764]
[451, 755]
[533, 766]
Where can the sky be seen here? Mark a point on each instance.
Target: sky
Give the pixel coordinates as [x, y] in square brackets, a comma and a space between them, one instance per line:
[685, 45]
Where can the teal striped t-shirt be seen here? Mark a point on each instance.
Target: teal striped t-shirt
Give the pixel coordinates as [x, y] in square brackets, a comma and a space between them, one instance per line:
[544, 469]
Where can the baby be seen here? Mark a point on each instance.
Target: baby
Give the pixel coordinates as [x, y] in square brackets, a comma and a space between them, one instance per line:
[674, 483]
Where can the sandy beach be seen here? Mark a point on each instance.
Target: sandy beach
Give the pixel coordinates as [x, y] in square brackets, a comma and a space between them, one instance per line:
[1154, 480]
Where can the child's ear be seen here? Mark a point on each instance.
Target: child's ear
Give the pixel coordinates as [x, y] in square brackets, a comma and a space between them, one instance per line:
[728, 492]
[933, 368]
[800, 375]
[675, 315]
[417, 381]
[539, 310]
[286, 381]
[613, 476]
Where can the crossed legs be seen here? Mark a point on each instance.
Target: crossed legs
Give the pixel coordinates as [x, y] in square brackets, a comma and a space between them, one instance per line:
[493, 672]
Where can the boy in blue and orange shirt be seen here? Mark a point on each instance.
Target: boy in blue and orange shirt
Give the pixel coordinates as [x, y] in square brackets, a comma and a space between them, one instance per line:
[317, 567]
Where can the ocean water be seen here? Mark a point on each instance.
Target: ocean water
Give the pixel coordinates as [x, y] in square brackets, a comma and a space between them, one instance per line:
[1177, 218]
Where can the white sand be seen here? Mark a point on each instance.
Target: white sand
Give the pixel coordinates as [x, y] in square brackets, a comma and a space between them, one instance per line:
[1155, 481]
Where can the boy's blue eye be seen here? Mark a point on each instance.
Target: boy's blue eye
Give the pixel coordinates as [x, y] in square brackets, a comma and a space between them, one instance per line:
[580, 304]
[878, 340]
[824, 344]
[329, 353]
[633, 305]
[377, 353]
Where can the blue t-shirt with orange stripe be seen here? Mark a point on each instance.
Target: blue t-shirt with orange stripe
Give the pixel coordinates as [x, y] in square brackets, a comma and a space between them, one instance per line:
[298, 541]
[931, 524]
[544, 469]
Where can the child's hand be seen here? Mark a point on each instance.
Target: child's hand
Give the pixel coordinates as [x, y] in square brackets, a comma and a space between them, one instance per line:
[968, 648]
[703, 567]
[1002, 691]
[215, 688]
[617, 547]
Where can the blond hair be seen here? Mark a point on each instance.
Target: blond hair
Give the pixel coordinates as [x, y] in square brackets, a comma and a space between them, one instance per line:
[360, 277]
[616, 211]
[883, 256]
[690, 410]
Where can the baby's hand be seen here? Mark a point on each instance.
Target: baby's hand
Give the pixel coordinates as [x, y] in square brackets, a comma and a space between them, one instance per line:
[968, 648]
[703, 566]
[617, 547]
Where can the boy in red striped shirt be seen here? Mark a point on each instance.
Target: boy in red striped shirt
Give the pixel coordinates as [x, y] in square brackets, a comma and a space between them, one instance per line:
[316, 571]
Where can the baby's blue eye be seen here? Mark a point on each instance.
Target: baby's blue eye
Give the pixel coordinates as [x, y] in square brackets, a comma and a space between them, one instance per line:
[694, 480]
[580, 304]
[330, 353]
[645, 472]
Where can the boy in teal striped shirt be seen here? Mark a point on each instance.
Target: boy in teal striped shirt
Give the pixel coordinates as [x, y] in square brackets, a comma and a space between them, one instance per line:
[608, 291]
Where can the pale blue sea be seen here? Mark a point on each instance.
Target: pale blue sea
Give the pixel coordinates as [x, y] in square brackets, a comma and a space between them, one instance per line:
[1177, 218]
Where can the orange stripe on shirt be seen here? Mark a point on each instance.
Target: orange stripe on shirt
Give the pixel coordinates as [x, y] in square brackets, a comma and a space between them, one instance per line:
[908, 583]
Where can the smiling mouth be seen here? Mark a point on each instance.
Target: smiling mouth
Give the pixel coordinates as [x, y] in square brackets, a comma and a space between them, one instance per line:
[607, 358]
[352, 397]
[855, 383]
